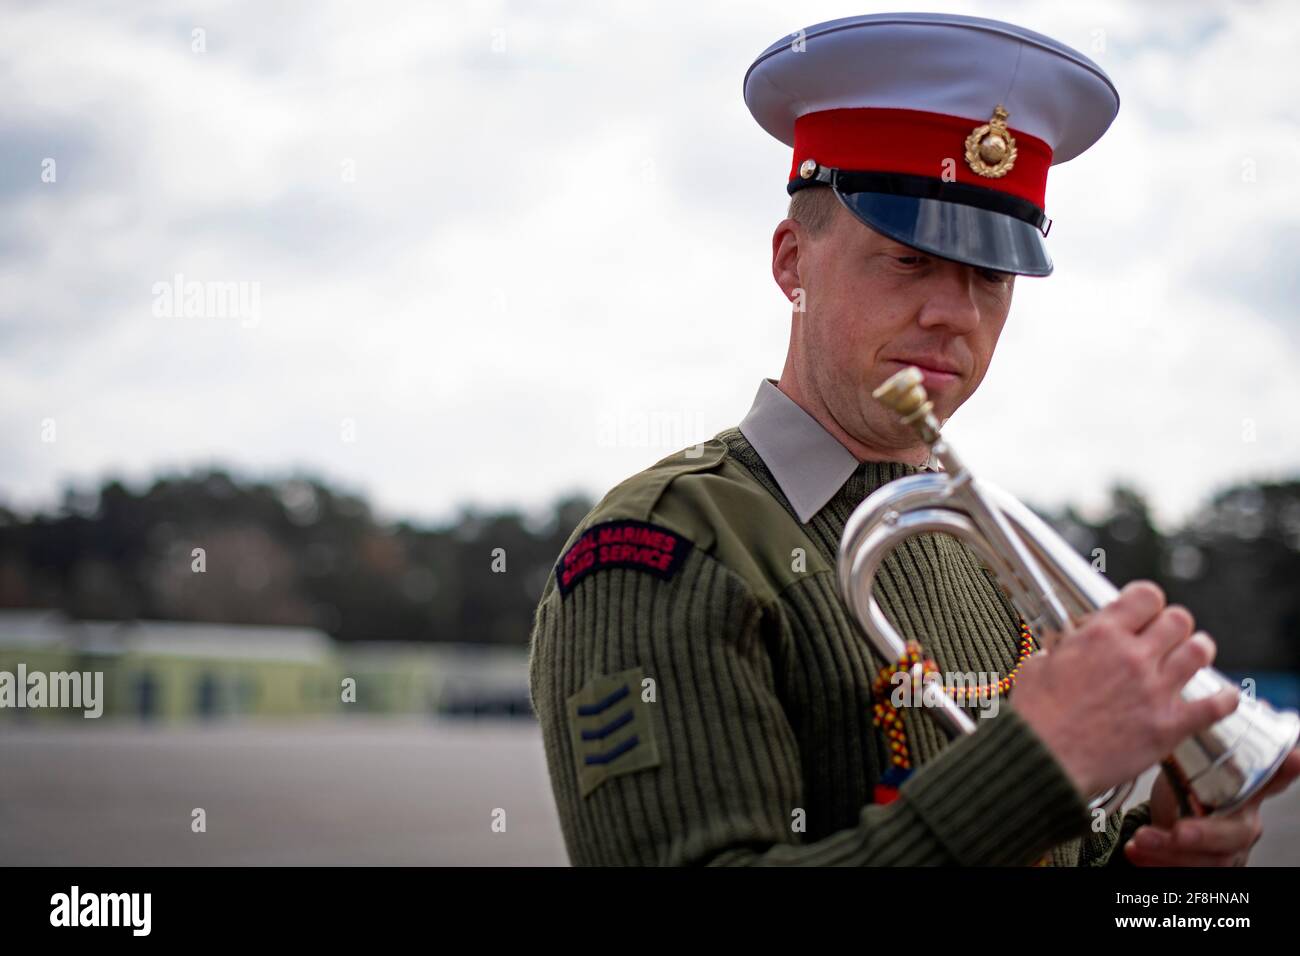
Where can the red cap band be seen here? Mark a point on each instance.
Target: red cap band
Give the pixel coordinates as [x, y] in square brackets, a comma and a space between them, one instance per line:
[915, 142]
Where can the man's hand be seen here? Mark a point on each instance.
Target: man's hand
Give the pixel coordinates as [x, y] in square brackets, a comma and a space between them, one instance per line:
[1203, 841]
[1106, 699]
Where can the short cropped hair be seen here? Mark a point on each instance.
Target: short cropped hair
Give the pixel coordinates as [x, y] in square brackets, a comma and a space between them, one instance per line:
[813, 207]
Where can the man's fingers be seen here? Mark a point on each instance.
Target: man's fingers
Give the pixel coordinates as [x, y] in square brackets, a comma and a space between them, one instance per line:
[1184, 660]
[1140, 856]
[1220, 843]
[1286, 773]
[1234, 833]
[1138, 603]
[1168, 630]
[1197, 715]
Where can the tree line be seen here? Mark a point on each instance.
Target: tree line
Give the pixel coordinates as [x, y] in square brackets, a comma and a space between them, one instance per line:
[209, 546]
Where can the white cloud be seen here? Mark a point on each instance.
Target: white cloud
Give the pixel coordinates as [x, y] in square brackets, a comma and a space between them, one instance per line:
[558, 231]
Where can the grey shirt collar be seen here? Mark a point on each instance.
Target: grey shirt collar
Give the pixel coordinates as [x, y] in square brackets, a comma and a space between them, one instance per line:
[807, 461]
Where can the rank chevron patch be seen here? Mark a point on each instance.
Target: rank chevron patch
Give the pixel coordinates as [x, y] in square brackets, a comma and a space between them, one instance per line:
[612, 728]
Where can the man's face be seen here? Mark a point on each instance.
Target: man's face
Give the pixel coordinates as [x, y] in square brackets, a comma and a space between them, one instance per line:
[874, 306]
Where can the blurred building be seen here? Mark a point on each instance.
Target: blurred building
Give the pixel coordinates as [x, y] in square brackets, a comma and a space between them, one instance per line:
[454, 679]
[175, 671]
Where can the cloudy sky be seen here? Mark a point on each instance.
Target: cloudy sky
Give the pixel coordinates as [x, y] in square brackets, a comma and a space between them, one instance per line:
[495, 252]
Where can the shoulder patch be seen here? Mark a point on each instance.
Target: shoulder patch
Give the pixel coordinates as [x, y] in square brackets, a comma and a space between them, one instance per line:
[622, 543]
[612, 729]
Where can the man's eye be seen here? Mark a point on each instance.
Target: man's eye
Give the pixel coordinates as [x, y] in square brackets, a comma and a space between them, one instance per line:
[910, 260]
[1001, 278]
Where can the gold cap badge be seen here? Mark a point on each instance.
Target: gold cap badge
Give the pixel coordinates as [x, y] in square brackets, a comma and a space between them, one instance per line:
[991, 149]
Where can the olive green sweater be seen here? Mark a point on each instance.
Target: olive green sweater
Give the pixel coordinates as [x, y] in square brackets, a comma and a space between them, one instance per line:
[708, 699]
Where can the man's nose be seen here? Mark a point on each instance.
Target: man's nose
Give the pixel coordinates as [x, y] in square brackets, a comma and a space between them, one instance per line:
[951, 304]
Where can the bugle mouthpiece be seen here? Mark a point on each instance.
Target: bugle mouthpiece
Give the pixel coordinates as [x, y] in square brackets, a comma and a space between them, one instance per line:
[904, 393]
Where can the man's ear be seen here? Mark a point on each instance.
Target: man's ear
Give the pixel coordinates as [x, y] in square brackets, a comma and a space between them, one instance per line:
[785, 258]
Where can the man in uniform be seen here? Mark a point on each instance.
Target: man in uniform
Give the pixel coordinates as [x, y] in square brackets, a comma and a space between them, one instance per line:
[704, 694]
